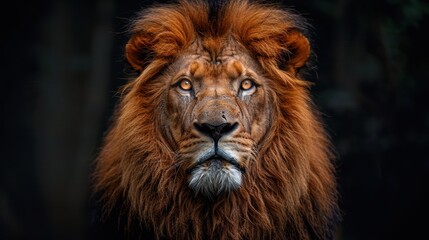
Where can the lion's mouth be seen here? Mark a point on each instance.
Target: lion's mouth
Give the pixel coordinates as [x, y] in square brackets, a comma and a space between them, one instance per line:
[216, 162]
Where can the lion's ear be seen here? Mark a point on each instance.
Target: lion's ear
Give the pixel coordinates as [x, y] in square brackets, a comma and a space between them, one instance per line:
[143, 48]
[296, 50]
[287, 46]
[153, 41]
[138, 51]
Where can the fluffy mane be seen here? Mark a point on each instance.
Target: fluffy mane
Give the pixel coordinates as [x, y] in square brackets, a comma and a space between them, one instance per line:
[289, 192]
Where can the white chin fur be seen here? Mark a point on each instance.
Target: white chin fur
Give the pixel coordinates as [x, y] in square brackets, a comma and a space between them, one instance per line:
[212, 180]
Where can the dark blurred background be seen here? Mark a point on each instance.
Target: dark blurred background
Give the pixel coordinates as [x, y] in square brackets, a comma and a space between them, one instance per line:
[62, 62]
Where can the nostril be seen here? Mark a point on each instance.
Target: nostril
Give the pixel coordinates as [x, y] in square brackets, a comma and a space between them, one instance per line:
[216, 131]
[226, 128]
[203, 128]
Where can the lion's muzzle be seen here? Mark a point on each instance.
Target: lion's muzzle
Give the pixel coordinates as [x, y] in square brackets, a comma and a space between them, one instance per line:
[217, 170]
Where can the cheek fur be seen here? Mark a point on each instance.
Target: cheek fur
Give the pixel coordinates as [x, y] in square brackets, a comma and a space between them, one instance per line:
[256, 112]
[179, 114]
[175, 109]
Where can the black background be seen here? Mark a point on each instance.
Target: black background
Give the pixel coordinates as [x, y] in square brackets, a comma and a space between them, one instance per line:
[62, 62]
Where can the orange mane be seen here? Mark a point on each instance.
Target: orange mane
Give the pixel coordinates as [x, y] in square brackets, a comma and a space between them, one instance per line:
[291, 192]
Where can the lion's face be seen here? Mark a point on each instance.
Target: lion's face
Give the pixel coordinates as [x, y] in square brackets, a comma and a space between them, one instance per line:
[217, 112]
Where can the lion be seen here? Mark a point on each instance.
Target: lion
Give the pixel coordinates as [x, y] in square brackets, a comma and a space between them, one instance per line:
[217, 137]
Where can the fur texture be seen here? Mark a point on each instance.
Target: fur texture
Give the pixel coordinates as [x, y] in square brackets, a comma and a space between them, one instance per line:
[288, 190]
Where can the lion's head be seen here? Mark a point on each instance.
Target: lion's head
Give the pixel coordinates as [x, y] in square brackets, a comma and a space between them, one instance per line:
[217, 137]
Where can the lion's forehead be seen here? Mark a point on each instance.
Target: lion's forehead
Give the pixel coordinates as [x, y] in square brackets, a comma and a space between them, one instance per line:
[224, 67]
[216, 59]
[228, 67]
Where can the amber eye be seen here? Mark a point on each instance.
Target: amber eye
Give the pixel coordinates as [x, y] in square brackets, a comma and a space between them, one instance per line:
[185, 85]
[247, 84]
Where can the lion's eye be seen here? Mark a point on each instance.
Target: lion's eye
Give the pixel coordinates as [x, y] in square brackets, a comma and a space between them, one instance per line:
[185, 85]
[247, 84]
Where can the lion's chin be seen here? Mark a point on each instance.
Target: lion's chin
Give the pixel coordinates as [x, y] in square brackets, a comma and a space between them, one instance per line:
[214, 178]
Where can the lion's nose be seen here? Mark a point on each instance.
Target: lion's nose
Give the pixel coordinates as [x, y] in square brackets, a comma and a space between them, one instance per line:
[216, 131]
